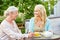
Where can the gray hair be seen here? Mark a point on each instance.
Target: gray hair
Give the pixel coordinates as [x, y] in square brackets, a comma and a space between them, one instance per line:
[10, 9]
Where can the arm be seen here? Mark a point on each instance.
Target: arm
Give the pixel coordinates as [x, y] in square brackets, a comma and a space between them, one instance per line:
[48, 26]
[31, 25]
[11, 33]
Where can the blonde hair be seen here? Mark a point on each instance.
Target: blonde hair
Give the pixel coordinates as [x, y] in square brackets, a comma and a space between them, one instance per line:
[42, 11]
[10, 9]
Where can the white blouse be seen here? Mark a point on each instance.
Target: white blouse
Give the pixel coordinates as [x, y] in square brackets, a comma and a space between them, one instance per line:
[10, 32]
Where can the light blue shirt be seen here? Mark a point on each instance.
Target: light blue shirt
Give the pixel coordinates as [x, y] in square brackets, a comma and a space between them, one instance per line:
[47, 25]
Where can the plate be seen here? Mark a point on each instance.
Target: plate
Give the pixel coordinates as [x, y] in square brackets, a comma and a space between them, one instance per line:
[37, 34]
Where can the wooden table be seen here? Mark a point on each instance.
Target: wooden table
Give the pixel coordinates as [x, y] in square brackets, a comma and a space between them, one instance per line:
[54, 37]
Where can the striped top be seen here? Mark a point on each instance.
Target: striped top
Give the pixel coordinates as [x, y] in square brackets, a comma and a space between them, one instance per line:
[10, 32]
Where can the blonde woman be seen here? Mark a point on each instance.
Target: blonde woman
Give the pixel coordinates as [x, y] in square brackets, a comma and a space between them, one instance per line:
[39, 22]
[8, 27]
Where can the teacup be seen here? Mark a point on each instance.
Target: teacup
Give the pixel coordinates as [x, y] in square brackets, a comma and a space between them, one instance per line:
[47, 34]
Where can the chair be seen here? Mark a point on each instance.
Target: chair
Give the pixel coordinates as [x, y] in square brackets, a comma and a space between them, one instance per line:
[55, 23]
[27, 25]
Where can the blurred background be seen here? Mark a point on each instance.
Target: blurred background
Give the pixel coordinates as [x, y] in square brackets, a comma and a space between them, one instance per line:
[26, 9]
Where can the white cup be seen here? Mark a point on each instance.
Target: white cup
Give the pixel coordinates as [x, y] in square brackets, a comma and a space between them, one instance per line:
[47, 34]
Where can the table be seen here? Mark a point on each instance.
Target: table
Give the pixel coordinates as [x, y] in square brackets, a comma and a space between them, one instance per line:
[54, 37]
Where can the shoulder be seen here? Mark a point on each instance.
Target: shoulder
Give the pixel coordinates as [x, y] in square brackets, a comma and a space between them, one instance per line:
[32, 19]
[3, 22]
[47, 20]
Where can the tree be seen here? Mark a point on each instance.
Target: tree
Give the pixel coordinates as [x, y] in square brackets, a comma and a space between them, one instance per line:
[24, 6]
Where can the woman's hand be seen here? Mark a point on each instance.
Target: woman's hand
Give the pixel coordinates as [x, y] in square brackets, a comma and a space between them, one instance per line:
[30, 35]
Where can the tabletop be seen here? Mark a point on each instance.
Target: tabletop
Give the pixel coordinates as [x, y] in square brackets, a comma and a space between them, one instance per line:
[54, 37]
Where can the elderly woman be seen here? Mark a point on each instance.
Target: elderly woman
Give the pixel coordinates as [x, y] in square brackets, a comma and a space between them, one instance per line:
[39, 22]
[8, 28]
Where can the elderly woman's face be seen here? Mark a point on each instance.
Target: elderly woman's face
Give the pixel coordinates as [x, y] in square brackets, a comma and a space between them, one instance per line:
[14, 15]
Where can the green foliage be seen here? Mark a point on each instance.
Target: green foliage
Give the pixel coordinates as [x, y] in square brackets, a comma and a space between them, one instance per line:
[28, 6]
[1, 18]
[18, 20]
[23, 30]
[24, 6]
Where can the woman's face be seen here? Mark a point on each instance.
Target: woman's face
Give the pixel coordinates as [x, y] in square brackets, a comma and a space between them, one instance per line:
[37, 13]
[14, 15]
